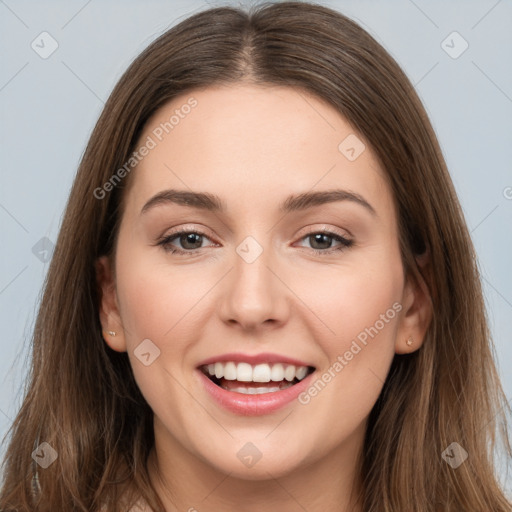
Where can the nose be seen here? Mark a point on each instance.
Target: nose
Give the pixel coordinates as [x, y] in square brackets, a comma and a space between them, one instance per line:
[255, 295]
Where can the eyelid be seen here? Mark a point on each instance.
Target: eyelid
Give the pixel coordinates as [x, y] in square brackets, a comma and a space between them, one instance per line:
[325, 228]
[203, 231]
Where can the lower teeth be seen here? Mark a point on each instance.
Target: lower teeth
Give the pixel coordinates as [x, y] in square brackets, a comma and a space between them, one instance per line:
[258, 390]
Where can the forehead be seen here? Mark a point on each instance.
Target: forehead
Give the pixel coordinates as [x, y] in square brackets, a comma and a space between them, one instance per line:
[253, 145]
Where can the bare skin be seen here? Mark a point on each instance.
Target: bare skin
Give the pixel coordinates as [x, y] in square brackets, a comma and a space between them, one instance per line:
[253, 147]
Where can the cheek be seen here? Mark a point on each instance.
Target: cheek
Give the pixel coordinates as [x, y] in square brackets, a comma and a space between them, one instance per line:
[157, 303]
[165, 304]
[353, 298]
[157, 300]
[361, 309]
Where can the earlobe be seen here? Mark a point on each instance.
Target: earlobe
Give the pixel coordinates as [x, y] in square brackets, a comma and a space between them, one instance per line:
[110, 318]
[416, 314]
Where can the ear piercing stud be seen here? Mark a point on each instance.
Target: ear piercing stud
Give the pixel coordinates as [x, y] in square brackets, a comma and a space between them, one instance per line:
[410, 341]
[110, 333]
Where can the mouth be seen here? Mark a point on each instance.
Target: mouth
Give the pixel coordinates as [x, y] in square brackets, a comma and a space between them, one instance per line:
[248, 379]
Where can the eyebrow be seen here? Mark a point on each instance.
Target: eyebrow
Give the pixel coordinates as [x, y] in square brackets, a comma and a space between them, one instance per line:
[209, 202]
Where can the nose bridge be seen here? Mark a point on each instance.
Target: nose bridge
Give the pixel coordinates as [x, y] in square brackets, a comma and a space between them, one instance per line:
[254, 295]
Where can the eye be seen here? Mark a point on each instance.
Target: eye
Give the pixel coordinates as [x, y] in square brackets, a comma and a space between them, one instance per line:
[191, 242]
[321, 241]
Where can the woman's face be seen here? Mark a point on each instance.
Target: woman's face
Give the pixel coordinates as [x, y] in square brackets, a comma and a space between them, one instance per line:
[258, 289]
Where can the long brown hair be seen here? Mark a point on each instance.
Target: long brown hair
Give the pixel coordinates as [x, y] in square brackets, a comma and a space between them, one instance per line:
[81, 396]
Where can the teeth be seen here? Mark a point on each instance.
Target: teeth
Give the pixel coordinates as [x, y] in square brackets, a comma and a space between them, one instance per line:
[289, 373]
[261, 373]
[230, 371]
[277, 372]
[254, 391]
[244, 372]
[258, 390]
[301, 372]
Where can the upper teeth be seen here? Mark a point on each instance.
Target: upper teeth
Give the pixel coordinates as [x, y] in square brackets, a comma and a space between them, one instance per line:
[245, 372]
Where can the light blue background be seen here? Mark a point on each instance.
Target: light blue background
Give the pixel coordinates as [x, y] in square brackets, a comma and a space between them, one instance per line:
[49, 107]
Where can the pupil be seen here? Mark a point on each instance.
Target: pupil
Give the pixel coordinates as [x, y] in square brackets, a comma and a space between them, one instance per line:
[190, 238]
[319, 238]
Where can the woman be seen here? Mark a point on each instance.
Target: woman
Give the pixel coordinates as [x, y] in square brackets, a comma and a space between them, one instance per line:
[264, 295]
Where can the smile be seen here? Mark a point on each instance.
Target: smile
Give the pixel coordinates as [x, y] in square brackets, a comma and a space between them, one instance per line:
[251, 385]
[250, 379]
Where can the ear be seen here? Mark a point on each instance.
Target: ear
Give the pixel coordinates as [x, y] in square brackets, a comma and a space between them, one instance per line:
[109, 311]
[417, 310]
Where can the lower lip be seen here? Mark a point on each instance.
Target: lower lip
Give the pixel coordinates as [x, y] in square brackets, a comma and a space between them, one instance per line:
[253, 405]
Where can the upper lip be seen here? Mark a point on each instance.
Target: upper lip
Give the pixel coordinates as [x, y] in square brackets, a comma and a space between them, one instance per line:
[253, 359]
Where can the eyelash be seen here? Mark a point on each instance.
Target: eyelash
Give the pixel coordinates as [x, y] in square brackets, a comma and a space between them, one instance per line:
[165, 242]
